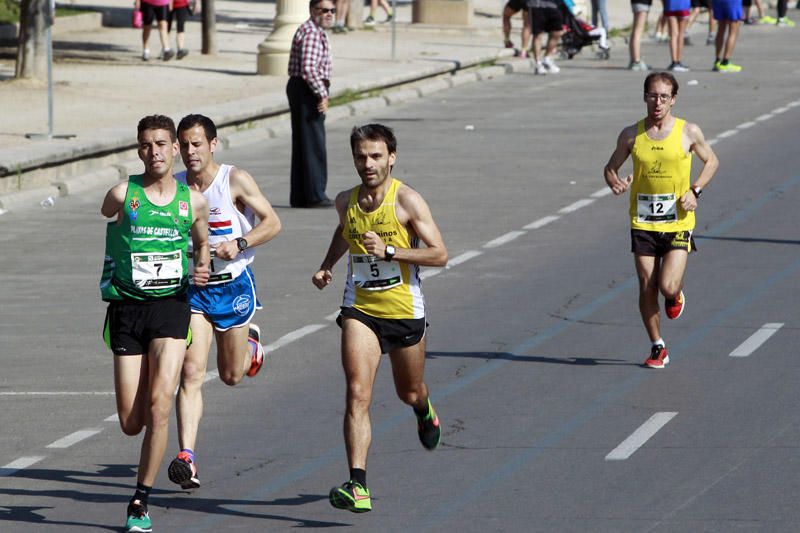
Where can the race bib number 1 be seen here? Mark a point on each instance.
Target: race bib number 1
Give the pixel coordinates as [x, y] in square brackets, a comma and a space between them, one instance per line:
[372, 274]
[656, 208]
[157, 271]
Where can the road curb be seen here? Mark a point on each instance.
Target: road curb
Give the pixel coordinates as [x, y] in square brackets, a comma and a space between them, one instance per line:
[273, 126]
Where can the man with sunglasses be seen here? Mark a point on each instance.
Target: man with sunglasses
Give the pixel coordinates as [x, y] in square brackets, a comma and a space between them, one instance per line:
[308, 91]
[662, 202]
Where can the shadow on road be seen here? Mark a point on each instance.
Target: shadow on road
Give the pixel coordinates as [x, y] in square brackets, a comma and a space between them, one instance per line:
[579, 361]
[107, 495]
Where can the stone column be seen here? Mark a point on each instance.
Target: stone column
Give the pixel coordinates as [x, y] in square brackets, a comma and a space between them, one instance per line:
[273, 52]
[442, 12]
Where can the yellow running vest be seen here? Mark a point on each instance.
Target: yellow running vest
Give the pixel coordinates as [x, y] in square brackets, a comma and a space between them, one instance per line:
[383, 289]
[661, 175]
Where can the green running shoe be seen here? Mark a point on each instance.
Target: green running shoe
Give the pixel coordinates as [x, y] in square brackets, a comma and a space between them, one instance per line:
[351, 496]
[138, 519]
[730, 67]
[428, 429]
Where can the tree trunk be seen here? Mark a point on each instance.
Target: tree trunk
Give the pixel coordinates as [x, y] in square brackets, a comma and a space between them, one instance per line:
[32, 41]
[209, 27]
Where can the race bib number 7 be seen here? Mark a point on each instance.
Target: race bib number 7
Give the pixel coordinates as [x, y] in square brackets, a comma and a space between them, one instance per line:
[372, 274]
[656, 208]
[157, 271]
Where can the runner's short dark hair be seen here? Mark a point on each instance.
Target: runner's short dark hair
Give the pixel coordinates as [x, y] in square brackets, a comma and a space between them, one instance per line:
[374, 132]
[157, 122]
[190, 121]
[313, 3]
[661, 76]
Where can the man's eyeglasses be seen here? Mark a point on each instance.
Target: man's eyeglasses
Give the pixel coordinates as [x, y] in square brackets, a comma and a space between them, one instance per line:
[663, 98]
[326, 10]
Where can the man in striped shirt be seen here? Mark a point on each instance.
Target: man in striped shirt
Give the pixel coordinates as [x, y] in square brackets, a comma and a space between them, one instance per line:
[307, 90]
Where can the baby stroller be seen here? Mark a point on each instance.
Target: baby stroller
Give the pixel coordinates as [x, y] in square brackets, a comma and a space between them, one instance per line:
[577, 34]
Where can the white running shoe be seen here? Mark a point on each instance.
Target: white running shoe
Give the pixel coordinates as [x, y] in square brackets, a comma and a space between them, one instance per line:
[550, 65]
[540, 68]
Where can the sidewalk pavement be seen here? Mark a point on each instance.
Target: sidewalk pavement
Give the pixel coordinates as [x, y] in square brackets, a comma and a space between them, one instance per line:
[102, 87]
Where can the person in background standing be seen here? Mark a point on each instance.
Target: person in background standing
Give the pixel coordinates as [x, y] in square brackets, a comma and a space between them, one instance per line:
[307, 90]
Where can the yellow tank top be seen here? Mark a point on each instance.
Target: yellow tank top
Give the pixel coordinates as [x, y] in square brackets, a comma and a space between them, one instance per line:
[661, 175]
[383, 289]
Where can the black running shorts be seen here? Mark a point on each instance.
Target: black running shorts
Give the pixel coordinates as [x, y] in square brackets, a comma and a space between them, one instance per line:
[516, 5]
[150, 12]
[545, 19]
[131, 325]
[657, 244]
[392, 333]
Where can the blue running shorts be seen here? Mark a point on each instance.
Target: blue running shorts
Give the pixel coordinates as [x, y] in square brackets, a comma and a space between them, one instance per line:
[728, 10]
[227, 305]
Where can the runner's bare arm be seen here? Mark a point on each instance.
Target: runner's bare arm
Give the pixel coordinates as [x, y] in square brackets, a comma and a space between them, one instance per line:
[245, 191]
[323, 277]
[698, 144]
[201, 253]
[413, 211]
[620, 155]
[114, 200]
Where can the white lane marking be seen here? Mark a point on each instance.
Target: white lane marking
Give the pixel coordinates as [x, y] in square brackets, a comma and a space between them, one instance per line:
[793, 104]
[463, 258]
[640, 436]
[605, 191]
[780, 110]
[728, 133]
[112, 418]
[712, 142]
[757, 339]
[210, 374]
[73, 438]
[503, 239]
[541, 222]
[19, 464]
[333, 316]
[57, 393]
[430, 272]
[765, 116]
[745, 125]
[294, 335]
[575, 206]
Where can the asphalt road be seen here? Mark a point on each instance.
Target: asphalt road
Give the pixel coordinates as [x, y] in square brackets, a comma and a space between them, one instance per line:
[535, 347]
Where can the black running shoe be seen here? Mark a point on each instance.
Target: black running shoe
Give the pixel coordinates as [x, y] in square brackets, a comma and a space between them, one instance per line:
[428, 429]
[183, 471]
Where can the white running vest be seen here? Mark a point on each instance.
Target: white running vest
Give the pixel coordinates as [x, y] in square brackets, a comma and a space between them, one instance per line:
[225, 223]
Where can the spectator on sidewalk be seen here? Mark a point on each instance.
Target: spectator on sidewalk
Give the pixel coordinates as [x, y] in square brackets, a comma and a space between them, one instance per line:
[729, 14]
[697, 7]
[760, 19]
[307, 90]
[783, 20]
[599, 9]
[676, 12]
[158, 10]
[342, 7]
[180, 13]
[640, 10]
[545, 17]
[373, 6]
[511, 8]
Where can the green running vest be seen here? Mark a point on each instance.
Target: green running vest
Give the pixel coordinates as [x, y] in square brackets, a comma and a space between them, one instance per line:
[146, 255]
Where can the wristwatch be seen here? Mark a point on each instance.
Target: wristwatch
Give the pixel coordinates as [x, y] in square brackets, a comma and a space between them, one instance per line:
[241, 243]
[390, 251]
[697, 191]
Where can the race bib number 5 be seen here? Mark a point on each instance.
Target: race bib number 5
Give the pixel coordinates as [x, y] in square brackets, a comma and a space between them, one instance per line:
[157, 271]
[372, 274]
[656, 208]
